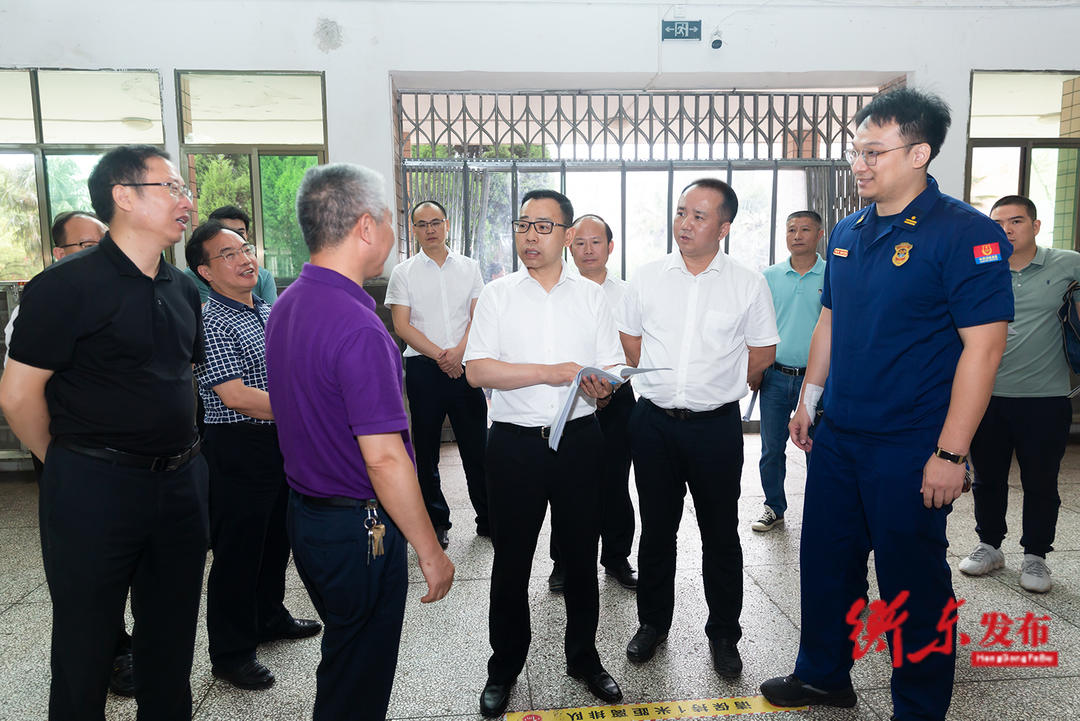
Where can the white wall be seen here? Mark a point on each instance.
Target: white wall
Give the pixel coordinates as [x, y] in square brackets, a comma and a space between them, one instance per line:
[546, 45]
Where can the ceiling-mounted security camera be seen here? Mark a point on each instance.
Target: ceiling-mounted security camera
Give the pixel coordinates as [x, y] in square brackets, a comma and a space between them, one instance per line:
[717, 39]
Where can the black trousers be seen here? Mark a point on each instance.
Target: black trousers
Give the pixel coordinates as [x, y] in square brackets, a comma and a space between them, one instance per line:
[704, 455]
[107, 529]
[248, 498]
[432, 396]
[1037, 430]
[524, 475]
[617, 514]
[361, 603]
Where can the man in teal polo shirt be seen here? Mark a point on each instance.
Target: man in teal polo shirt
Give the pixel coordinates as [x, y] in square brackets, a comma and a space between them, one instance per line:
[795, 284]
[1029, 413]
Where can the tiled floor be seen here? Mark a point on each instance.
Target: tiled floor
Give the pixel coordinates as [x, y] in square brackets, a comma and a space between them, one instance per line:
[444, 646]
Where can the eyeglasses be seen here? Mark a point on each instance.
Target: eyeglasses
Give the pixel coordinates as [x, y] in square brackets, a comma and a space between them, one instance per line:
[433, 224]
[232, 255]
[175, 189]
[870, 156]
[82, 244]
[543, 227]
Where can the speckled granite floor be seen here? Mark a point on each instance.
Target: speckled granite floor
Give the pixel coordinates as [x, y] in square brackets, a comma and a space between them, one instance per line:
[444, 646]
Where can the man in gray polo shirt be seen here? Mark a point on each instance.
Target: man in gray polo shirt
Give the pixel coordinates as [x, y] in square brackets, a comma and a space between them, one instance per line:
[1029, 413]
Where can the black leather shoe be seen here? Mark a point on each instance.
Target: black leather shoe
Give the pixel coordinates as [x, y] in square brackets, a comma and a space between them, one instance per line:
[556, 580]
[643, 645]
[624, 573]
[792, 691]
[725, 657]
[443, 534]
[600, 684]
[494, 699]
[122, 679]
[295, 628]
[250, 675]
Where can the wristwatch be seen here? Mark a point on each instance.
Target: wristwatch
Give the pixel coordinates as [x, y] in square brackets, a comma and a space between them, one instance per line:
[950, 456]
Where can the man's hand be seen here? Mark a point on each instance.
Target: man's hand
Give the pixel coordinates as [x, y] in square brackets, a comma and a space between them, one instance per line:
[799, 428]
[596, 387]
[560, 374]
[942, 482]
[754, 381]
[439, 574]
[450, 361]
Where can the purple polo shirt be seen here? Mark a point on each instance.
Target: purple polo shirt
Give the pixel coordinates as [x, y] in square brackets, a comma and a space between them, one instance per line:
[334, 373]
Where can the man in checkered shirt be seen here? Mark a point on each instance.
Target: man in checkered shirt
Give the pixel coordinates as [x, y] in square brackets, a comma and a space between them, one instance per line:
[248, 492]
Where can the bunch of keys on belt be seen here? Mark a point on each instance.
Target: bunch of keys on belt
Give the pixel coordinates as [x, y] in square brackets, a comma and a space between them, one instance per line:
[375, 533]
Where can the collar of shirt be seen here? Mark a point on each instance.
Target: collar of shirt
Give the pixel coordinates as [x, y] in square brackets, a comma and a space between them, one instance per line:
[1040, 256]
[911, 216]
[675, 261]
[326, 276]
[124, 264]
[817, 269]
[522, 275]
[235, 304]
[449, 255]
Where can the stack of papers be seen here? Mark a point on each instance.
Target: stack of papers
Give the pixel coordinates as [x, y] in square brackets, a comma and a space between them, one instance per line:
[616, 376]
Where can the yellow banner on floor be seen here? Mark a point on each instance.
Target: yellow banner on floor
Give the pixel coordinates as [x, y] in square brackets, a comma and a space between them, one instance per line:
[656, 711]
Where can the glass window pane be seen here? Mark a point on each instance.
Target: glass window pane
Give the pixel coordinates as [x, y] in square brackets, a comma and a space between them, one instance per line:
[252, 109]
[600, 193]
[492, 239]
[750, 231]
[1054, 188]
[20, 231]
[218, 180]
[446, 187]
[65, 177]
[1020, 105]
[279, 177]
[16, 107]
[100, 106]
[646, 218]
[995, 172]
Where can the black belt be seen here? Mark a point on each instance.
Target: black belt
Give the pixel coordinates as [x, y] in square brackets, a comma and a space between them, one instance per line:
[545, 431]
[682, 414]
[789, 370]
[134, 460]
[339, 501]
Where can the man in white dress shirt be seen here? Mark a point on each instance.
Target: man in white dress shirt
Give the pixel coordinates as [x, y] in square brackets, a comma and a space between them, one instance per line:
[532, 332]
[711, 321]
[431, 297]
[591, 248]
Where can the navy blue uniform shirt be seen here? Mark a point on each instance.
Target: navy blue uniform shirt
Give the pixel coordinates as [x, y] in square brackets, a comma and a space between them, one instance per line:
[898, 291]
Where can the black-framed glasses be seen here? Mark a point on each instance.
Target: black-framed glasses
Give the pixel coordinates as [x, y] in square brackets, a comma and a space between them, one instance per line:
[175, 189]
[870, 156]
[84, 244]
[423, 225]
[543, 227]
[232, 255]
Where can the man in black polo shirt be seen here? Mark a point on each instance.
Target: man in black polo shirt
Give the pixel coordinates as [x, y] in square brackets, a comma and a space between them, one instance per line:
[99, 386]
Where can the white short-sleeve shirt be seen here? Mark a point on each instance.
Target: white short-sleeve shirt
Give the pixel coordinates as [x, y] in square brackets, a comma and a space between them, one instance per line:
[700, 327]
[438, 298]
[517, 321]
[614, 290]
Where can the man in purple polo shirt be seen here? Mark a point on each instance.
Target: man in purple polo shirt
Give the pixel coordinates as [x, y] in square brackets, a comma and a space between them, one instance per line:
[335, 387]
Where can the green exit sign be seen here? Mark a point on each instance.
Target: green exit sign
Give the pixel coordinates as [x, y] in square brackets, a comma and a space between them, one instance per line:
[680, 29]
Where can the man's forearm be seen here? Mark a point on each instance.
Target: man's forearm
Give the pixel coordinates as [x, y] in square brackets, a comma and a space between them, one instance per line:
[411, 335]
[395, 484]
[503, 376]
[29, 420]
[972, 385]
[245, 399]
[759, 359]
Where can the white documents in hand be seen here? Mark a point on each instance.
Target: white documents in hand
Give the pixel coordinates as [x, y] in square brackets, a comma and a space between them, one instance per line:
[616, 376]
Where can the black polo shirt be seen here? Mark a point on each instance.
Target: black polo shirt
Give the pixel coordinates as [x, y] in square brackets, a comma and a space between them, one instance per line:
[121, 346]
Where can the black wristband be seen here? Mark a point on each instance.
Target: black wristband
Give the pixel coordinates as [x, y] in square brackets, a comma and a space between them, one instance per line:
[950, 456]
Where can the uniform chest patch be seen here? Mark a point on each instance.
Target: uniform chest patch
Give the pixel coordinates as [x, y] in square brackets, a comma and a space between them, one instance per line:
[841, 252]
[901, 254]
[986, 253]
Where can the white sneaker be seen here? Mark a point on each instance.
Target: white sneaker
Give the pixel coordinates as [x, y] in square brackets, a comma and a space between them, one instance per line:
[984, 559]
[1034, 574]
[768, 521]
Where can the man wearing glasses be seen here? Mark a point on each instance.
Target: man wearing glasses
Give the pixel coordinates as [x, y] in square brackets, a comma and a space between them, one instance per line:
[431, 297]
[532, 332]
[99, 387]
[915, 304]
[237, 220]
[248, 495]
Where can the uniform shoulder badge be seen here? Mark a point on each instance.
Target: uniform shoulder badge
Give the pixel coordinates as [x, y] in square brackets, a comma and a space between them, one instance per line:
[841, 252]
[986, 253]
[903, 252]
